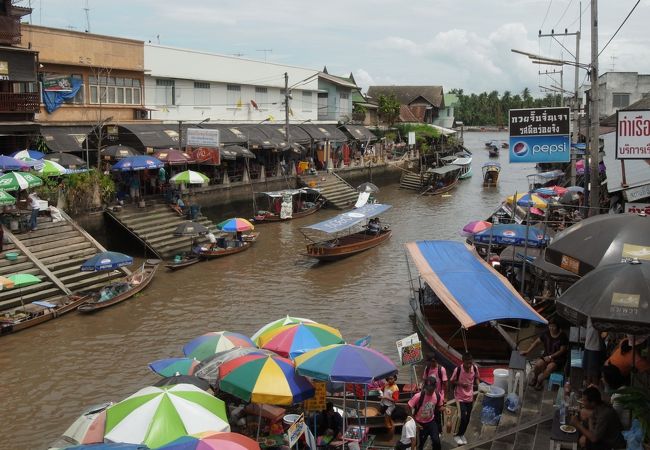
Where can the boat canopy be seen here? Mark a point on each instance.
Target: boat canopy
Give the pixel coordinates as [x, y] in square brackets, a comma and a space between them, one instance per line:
[444, 170]
[292, 192]
[349, 219]
[492, 164]
[449, 159]
[462, 161]
[468, 286]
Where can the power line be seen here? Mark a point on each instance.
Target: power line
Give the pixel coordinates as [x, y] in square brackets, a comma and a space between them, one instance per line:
[620, 26]
[563, 13]
[579, 16]
[546, 15]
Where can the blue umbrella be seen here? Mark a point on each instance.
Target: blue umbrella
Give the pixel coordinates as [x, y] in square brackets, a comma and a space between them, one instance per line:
[106, 261]
[9, 163]
[512, 234]
[139, 162]
[33, 154]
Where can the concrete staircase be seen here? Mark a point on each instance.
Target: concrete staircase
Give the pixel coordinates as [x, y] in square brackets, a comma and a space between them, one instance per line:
[154, 226]
[338, 192]
[411, 180]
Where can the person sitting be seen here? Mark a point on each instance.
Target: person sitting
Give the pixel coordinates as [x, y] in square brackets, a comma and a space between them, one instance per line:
[603, 428]
[179, 206]
[624, 358]
[329, 422]
[556, 344]
[373, 226]
[389, 396]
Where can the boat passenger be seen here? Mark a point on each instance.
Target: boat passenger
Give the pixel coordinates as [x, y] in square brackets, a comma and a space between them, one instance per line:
[329, 420]
[603, 429]
[212, 239]
[389, 396]
[373, 226]
[556, 344]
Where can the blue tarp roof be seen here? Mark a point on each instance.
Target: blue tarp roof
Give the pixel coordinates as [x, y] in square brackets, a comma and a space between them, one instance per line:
[468, 286]
[350, 218]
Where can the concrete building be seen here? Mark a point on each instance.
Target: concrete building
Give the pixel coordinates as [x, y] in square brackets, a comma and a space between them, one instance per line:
[620, 89]
[190, 85]
[446, 116]
[335, 95]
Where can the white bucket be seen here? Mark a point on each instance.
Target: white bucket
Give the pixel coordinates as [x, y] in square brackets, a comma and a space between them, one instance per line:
[501, 378]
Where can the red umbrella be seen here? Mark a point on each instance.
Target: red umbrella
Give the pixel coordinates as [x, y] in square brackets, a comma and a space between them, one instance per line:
[173, 157]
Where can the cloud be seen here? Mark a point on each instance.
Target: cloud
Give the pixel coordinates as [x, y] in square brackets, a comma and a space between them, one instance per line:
[363, 79]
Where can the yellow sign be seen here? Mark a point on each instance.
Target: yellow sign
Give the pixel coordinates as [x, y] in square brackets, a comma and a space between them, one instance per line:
[636, 251]
[625, 300]
[317, 402]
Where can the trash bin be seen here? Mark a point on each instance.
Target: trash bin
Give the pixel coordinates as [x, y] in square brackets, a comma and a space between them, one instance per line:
[492, 406]
[501, 378]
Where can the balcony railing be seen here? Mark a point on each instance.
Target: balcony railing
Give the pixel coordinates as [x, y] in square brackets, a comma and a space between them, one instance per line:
[9, 30]
[24, 103]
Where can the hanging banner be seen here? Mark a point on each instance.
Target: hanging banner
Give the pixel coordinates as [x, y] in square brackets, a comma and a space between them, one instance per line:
[202, 137]
[633, 134]
[410, 350]
[539, 135]
[57, 83]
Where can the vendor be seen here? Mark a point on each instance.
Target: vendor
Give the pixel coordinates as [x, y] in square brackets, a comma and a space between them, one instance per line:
[329, 422]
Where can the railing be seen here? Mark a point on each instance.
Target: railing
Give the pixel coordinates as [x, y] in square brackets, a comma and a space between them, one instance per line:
[27, 102]
[9, 30]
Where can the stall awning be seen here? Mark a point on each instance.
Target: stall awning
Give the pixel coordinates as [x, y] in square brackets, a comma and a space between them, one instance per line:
[323, 132]
[360, 133]
[154, 135]
[447, 266]
[239, 151]
[65, 139]
[349, 219]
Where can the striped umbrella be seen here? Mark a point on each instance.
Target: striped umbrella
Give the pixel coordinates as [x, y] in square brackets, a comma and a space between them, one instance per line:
[291, 341]
[51, 169]
[189, 177]
[14, 181]
[6, 199]
[288, 320]
[156, 416]
[24, 154]
[171, 366]
[213, 441]
[208, 369]
[235, 224]
[208, 344]
[267, 379]
[475, 227]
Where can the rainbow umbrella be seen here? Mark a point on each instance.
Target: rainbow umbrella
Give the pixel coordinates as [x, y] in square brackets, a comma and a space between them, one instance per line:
[235, 224]
[208, 344]
[174, 366]
[208, 369]
[213, 441]
[528, 199]
[476, 226]
[345, 363]
[293, 340]
[277, 324]
[268, 379]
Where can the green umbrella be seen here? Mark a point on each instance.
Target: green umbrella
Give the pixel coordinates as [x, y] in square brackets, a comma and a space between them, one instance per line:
[6, 199]
[15, 181]
[22, 280]
[51, 169]
[189, 177]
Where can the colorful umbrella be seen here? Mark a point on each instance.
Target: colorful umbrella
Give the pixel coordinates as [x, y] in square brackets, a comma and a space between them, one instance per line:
[173, 157]
[345, 363]
[106, 261]
[6, 199]
[213, 441]
[31, 154]
[277, 324]
[138, 162]
[529, 200]
[576, 189]
[109, 446]
[21, 280]
[189, 177]
[235, 224]
[6, 283]
[208, 344]
[550, 191]
[536, 211]
[512, 234]
[9, 163]
[52, 169]
[264, 379]
[208, 369]
[476, 226]
[157, 416]
[172, 366]
[14, 181]
[293, 340]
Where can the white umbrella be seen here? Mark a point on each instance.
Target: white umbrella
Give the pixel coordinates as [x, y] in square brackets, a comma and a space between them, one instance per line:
[189, 177]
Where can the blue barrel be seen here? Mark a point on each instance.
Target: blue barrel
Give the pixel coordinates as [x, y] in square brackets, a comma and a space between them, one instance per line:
[492, 405]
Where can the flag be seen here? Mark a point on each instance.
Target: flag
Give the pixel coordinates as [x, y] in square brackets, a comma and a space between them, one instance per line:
[239, 103]
[255, 105]
[270, 118]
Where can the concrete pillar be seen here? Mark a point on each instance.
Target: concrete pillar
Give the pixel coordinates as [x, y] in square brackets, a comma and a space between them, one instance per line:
[262, 173]
[245, 178]
[226, 179]
[294, 172]
[278, 171]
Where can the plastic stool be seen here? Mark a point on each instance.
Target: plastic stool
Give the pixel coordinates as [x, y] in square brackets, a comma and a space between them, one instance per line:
[555, 378]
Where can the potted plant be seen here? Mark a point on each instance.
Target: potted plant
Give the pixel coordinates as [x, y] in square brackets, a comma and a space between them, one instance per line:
[637, 400]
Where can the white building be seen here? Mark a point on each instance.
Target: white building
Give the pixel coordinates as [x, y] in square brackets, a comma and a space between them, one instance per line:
[191, 85]
[618, 90]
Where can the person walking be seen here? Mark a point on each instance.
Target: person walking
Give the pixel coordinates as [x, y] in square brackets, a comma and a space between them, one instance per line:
[34, 203]
[433, 369]
[424, 406]
[463, 381]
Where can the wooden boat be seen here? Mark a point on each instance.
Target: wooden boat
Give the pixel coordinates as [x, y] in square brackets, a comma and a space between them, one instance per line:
[226, 246]
[185, 260]
[342, 237]
[35, 313]
[493, 151]
[453, 316]
[364, 412]
[491, 173]
[123, 289]
[440, 180]
[290, 198]
[462, 160]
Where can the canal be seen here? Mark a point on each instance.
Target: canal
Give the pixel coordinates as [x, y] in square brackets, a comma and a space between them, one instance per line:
[50, 373]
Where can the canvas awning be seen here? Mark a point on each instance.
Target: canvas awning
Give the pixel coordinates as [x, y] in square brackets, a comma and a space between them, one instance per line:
[323, 132]
[154, 135]
[446, 266]
[360, 132]
[291, 192]
[349, 219]
[65, 139]
[443, 170]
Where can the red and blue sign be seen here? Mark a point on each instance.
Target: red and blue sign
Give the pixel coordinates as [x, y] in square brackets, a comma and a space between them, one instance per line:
[539, 135]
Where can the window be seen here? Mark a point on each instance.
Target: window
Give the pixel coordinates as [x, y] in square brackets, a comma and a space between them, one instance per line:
[322, 104]
[306, 101]
[262, 97]
[165, 92]
[344, 104]
[233, 96]
[111, 90]
[201, 93]
[620, 100]
[79, 96]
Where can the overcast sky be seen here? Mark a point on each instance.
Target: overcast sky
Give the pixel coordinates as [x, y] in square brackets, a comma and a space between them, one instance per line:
[454, 43]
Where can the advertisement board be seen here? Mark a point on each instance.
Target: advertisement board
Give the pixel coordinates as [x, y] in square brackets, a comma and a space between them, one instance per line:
[296, 430]
[57, 83]
[202, 137]
[539, 135]
[4, 70]
[317, 403]
[637, 208]
[410, 350]
[633, 134]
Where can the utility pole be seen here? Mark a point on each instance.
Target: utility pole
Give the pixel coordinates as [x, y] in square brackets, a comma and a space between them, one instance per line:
[287, 96]
[594, 143]
[576, 101]
[180, 135]
[552, 72]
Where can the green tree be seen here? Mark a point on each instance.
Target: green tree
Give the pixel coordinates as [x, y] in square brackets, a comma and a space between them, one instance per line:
[388, 109]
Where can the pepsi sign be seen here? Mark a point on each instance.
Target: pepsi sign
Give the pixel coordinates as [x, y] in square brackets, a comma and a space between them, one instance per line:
[540, 149]
[539, 135]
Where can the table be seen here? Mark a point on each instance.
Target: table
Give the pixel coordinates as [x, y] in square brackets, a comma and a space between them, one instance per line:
[559, 438]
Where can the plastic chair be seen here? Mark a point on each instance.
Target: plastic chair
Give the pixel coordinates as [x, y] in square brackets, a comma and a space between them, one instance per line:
[555, 378]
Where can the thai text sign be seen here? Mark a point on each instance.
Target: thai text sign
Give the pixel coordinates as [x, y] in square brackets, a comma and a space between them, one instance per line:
[410, 350]
[633, 134]
[317, 402]
[296, 430]
[201, 137]
[539, 135]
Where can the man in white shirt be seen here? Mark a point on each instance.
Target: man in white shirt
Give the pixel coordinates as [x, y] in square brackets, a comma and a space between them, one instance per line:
[409, 433]
[35, 206]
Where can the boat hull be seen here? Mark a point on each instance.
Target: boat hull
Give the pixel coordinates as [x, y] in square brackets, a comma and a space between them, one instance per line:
[49, 314]
[186, 262]
[467, 174]
[348, 246]
[276, 217]
[212, 254]
[442, 190]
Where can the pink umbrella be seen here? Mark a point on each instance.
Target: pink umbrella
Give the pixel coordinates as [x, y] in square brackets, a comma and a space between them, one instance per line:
[536, 211]
[174, 157]
[476, 227]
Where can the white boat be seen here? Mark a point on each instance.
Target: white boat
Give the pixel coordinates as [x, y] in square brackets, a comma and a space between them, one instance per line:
[462, 160]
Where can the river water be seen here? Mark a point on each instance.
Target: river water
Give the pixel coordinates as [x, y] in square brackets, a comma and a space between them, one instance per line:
[51, 372]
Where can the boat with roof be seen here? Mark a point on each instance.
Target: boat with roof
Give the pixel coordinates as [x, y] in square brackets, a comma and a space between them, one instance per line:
[491, 172]
[290, 204]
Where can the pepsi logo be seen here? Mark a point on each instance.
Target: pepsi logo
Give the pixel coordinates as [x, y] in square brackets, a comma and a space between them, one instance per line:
[509, 233]
[520, 148]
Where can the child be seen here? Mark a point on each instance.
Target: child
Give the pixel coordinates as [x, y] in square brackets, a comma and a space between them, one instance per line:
[389, 396]
[463, 381]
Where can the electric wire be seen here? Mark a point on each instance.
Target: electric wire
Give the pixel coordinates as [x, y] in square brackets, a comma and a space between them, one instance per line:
[550, 3]
[620, 26]
[563, 14]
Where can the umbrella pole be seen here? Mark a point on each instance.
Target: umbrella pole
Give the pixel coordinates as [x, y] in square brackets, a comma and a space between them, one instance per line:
[259, 421]
[345, 412]
[523, 266]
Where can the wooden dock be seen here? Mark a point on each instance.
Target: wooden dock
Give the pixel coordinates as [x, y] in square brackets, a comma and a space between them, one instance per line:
[154, 227]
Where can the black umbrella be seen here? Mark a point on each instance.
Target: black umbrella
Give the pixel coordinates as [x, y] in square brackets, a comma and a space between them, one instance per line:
[119, 151]
[367, 187]
[600, 240]
[616, 297]
[67, 160]
[569, 198]
[183, 379]
[191, 229]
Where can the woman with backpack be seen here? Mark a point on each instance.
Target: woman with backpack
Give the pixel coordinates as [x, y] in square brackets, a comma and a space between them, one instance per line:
[433, 369]
[463, 381]
[425, 405]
